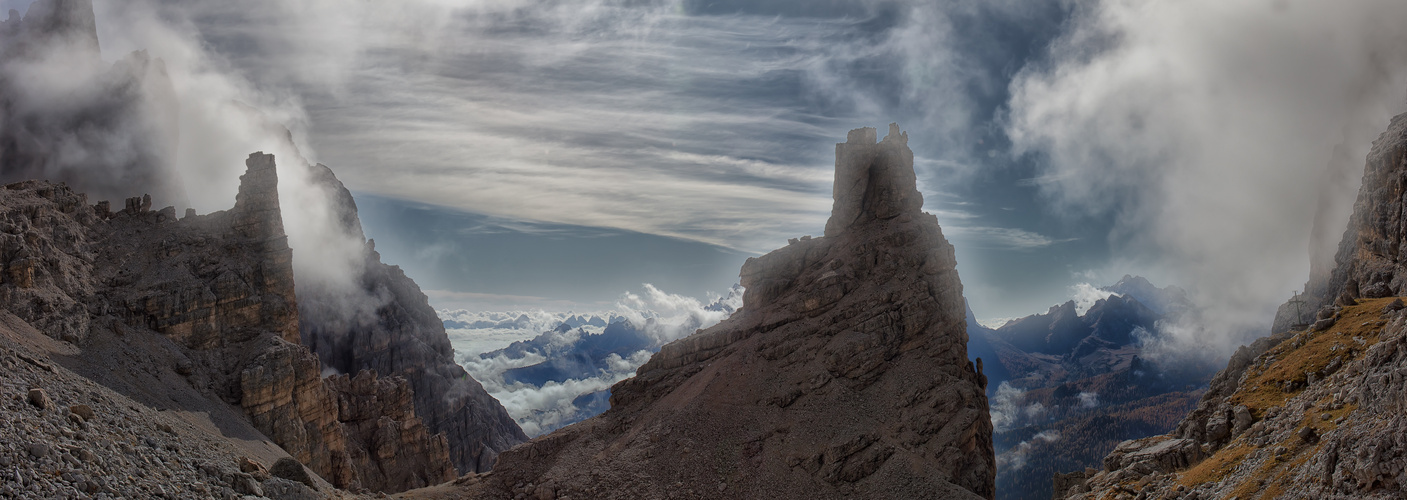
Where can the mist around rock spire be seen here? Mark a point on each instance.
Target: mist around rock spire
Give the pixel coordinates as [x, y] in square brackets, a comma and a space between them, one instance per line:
[109, 131]
[197, 315]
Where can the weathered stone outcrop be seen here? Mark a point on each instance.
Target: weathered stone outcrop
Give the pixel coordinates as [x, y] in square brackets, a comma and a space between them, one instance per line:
[1157, 455]
[219, 290]
[211, 280]
[1311, 412]
[845, 374]
[399, 334]
[48, 253]
[286, 399]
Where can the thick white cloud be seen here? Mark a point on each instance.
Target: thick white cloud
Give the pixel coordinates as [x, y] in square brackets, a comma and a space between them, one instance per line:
[1205, 128]
[1009, 409]
[1086, 295]
[223, 117]
[668, 317]
[1015, 458]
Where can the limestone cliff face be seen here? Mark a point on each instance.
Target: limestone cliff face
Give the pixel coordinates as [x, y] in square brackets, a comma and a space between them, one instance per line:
[1370, 262]
[845, 374]
[284, 396]
[48, 253]
[1310, 411]
[389, 442]
[403, 337]
[219, 288]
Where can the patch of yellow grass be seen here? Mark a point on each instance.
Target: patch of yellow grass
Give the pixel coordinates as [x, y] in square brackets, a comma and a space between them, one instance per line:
[1217, 466]
[1264, 389]
[1273, 490]
[1311, 352]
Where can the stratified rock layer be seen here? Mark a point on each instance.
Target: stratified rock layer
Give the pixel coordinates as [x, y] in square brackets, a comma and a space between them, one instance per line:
[845, 374]
[1311, 411]
[402, 336]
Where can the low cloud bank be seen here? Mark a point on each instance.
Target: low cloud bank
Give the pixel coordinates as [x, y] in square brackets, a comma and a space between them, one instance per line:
[549, 370]
[1009, 409]
[1015, 458]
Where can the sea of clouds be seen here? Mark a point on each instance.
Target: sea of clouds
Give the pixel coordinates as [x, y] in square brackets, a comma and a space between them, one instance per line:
[662, 316]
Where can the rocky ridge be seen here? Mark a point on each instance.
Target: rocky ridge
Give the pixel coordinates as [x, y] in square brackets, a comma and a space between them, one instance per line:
[1304, 414]
[206, 304]
[844, 374]
[1308, 412]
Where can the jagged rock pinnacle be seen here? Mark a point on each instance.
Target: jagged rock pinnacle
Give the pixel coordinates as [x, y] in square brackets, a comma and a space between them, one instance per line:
[257, 201]
[873, 181]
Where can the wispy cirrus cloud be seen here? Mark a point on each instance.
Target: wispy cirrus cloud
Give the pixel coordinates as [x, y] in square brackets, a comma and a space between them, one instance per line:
[666, 117]
[1000, 237]
[706, 121]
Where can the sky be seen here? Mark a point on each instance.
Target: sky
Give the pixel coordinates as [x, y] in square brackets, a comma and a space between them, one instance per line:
[556, 154]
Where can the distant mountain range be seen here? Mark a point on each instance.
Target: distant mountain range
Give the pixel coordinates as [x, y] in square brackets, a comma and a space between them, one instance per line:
[1064, 344]
[1065, 387]
[573, 354]
[523, 321]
